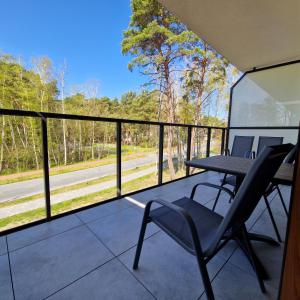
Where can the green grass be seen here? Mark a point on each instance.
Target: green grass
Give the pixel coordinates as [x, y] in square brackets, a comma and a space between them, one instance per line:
[74, 186]
[133, 185]
[23, 218]
[129, 152]
[37, 214]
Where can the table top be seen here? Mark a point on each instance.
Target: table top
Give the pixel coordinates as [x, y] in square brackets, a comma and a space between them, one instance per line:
[239, 166]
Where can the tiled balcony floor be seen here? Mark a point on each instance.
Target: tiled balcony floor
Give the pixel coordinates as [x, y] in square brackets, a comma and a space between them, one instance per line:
[88, 255]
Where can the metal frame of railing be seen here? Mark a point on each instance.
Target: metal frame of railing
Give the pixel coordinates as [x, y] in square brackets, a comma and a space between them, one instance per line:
[44, 116]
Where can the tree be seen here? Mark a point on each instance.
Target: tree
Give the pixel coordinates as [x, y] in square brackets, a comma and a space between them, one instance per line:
[20, 89]
[43, 67]
[204, 74]
[61, 79]
[157, 41]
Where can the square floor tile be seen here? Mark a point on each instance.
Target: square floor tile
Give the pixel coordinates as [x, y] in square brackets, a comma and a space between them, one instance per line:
[271, 257]
[110, 282]
[264, 226]
[233, 283]
[276, 205]
[42, 268]
[6, 292]
[120, 232]
[3, 247]
[103, 210]
[167, 270]
[37, 233]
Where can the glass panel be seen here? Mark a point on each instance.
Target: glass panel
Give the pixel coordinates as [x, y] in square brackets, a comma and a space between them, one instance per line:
[22, 197]
[175, 147]
[139, 156]
[198, 145]
[267, 98]
[215, 142]
[82, 156]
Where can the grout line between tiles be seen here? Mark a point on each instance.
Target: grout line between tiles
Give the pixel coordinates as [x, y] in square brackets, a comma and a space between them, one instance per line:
[115, 256]
[10, 272]
[77, 279]
[46, 238]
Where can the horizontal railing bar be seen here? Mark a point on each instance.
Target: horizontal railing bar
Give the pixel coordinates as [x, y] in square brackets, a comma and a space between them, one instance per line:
[34, 114]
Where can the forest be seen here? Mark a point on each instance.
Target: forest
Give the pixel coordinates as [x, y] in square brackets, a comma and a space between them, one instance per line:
[187, 82]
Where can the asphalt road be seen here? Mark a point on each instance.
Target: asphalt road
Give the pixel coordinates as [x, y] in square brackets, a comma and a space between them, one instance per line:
[69, 195]
[27, 188]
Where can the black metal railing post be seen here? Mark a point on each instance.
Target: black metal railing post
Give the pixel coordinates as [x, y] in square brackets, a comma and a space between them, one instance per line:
[208, 142]
[188, 149]
[227, 137]
[160, 154]
[46, 166]
[223, 141]
[119, 157]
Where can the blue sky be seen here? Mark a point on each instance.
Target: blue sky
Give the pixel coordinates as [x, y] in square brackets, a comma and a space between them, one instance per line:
[87, 34]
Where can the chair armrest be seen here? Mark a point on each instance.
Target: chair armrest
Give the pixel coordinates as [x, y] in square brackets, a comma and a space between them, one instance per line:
[183, 214]
[228, 191]
[171, 206]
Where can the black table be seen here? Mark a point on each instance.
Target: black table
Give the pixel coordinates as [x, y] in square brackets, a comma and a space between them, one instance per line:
[239, 167]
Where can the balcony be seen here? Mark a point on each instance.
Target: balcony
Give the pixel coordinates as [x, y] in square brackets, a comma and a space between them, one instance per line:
[89, 254]
[68, 244]
[71, 231]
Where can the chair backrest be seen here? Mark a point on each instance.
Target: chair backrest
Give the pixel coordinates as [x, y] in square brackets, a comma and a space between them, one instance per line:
[251, 190]
[265, 141]
[242, 146]
[290, 158]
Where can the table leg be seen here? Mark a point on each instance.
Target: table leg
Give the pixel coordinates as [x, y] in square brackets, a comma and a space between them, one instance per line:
[255, 261]
[262, 238]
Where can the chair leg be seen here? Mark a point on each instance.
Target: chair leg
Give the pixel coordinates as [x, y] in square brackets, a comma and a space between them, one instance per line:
[281, 199]
[141, 240]
[205, 279]
[252, 258]
[234, 192]
[219, 193]
[272, 219]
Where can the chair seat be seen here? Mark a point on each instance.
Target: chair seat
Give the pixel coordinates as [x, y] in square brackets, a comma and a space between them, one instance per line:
[205, 220]
[231, 180]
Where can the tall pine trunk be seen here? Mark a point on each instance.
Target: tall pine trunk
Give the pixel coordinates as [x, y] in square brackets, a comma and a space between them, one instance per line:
[170, 133]
[2, 143]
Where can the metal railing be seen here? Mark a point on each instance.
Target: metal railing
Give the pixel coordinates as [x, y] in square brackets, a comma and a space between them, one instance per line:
[44, 116]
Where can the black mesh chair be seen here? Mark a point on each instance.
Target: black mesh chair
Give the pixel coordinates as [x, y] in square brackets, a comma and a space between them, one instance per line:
[203, 232]
[289, 159]
[241, 147]
[263, 141]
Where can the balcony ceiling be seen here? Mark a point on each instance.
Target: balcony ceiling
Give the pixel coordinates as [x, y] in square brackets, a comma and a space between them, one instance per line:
[248, 33]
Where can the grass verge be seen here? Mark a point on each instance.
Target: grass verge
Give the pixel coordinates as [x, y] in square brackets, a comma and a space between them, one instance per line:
[69, 205]
[74, 186]
[111, 159]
